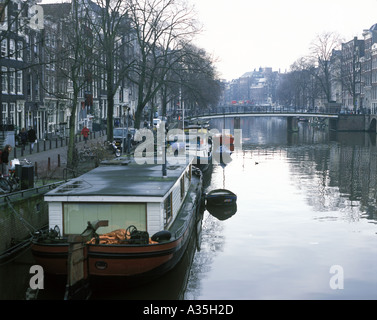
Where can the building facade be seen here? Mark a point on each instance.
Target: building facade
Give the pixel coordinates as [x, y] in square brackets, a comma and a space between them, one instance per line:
[36, 86]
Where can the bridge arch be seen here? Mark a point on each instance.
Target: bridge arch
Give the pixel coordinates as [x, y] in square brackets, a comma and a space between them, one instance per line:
[373, 125]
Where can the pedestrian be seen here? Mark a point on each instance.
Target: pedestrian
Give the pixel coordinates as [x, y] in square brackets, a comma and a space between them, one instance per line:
[32, 136]
[23, 137]
[5, 159]
[85, 133]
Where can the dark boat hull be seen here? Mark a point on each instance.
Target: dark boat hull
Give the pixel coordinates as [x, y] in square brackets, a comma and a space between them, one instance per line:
[220, 197]
[126, 261]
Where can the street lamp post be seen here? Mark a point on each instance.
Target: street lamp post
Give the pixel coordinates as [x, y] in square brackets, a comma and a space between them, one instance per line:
[125, 108]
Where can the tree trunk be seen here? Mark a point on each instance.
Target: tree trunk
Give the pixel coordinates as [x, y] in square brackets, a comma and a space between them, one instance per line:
[72, 152]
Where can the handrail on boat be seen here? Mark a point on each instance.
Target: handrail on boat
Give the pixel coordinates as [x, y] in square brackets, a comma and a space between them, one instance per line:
[4, 197]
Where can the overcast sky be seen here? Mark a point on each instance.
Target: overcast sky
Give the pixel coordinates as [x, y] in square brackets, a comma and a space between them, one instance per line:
[247, 34]
[244, 35]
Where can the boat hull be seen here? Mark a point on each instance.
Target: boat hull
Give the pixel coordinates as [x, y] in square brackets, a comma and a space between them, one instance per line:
[52, 256]
[221, 197]
[125, 261]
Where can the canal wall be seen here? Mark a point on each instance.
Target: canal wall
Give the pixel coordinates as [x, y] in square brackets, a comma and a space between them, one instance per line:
[353, 122]
[19, 219]
[357, 122]
[22, 213]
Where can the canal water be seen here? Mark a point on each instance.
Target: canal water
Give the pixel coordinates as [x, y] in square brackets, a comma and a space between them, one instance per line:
[304, 228]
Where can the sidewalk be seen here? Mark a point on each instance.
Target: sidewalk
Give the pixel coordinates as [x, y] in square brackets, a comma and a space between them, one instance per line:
[50, 157]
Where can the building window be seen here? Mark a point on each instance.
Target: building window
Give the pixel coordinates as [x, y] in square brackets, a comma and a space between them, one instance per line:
[29, 86]
[12, 81]
[13, 23]
[19, 82]
[12, 112]
[12, 49]
[4, 80]
[20, 50]
[3, 13]
[4, 47]
[4, 112]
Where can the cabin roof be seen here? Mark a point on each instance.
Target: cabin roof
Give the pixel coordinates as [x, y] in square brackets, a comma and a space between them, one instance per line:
[132, 180]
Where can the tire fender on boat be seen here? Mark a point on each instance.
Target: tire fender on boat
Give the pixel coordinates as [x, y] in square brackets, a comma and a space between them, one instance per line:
[163, 235]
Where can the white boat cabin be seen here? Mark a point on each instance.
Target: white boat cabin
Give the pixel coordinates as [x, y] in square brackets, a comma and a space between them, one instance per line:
[125, 195]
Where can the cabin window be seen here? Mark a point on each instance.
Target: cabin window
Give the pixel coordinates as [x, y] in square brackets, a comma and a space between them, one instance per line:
[188, 173]
[119, 215]
[182, 187]
[168, 208]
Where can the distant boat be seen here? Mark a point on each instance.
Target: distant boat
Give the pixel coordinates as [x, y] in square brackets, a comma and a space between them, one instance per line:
[196, 145]
[220, 197]
[224, 140]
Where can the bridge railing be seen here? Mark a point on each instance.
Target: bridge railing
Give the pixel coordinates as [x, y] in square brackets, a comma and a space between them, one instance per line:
[266, 109]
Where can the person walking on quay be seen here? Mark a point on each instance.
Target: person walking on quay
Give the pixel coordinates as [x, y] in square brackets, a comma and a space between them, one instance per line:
[23, 137]
[85, 133]
[32, 136]
[5, 159]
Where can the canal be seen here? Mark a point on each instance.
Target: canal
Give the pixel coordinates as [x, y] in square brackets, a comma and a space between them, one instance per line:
[305, 225]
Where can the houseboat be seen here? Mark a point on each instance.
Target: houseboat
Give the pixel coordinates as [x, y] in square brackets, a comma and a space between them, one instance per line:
[132, 221]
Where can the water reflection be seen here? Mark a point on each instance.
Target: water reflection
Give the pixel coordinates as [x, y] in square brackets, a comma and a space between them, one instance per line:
[222, 212]
[305, 203]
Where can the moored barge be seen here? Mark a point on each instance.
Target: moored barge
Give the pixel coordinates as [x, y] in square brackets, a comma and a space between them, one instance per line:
[146, 220]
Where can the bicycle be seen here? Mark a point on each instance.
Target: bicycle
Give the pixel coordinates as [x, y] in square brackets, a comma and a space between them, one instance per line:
[86, 154]
[9, 183]
[12, 182]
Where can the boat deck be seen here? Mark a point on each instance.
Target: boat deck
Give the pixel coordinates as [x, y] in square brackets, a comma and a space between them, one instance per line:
[127, 179]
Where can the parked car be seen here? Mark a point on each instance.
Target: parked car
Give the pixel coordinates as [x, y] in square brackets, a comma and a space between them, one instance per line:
[156, 122]
[121, 133]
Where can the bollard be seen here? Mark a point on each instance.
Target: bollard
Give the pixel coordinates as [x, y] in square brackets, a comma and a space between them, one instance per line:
[49, 164]
[58, 160]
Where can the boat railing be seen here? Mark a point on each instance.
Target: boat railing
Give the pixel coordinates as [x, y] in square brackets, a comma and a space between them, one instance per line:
[179, 230]
[22, 193]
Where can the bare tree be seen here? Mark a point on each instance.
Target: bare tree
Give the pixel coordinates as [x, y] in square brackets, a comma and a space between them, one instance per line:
[201, 86]
[321, 51]
[306, 85]
[108, 19]
[162, 29]
[73, 58]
